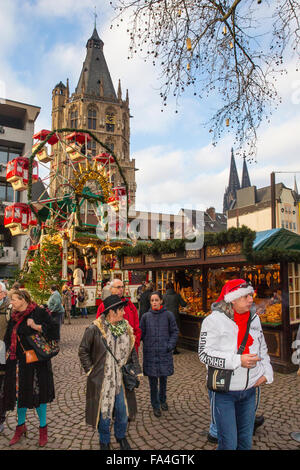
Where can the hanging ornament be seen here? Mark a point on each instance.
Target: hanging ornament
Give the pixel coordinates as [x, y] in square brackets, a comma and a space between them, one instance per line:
[179, 13]
[231, 45]
[188, 66]
[188, 44]
[227, 122]
[224, 29]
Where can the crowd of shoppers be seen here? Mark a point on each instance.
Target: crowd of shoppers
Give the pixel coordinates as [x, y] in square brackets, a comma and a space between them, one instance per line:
[231, 345]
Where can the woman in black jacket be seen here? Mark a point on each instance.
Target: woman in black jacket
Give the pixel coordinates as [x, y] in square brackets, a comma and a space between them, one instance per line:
[35, 380]
[159, 336]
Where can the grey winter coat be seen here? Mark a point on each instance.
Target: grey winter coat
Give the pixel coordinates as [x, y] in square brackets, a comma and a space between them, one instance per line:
[172, 301]
[159, 336]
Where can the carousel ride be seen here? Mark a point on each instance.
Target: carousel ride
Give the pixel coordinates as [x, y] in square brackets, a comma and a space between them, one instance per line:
[78, 206]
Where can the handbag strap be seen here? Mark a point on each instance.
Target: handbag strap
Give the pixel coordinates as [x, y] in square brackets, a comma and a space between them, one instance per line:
[109, 350]
[243, 343]
[24, 350]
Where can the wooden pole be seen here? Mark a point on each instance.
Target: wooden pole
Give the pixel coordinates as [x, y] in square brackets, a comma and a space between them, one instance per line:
[273, 201]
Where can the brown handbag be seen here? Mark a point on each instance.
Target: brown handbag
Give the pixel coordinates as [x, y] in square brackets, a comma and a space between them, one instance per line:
[29, 354]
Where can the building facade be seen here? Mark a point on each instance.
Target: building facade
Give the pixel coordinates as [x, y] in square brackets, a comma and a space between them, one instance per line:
[95, 106]
[16, 131]
[253, 208]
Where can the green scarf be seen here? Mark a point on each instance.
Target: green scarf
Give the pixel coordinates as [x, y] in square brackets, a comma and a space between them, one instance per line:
[118, 329]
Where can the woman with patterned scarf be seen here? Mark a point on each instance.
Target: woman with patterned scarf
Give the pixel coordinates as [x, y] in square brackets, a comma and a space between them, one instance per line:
[30, 385]
[106, 395]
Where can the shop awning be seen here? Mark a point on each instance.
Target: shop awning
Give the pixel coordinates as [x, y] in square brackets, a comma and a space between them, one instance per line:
[278, 238]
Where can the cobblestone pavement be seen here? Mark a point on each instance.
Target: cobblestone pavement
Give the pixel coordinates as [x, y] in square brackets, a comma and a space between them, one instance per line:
[183, 427]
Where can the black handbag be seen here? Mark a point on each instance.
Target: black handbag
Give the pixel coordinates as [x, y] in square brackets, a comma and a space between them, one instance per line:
[130, 379]
[44, 349]
[218, 380]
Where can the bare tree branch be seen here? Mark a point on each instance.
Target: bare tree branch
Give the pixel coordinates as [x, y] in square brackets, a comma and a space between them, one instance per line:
[228, 51]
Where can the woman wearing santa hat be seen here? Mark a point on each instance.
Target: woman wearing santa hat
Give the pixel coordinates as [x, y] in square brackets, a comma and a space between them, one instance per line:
[233, 347]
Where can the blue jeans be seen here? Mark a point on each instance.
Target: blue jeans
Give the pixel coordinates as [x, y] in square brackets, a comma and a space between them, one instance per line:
[158, 396]
[120, 423]
[213, 426]
[84, 312]
[235, 415]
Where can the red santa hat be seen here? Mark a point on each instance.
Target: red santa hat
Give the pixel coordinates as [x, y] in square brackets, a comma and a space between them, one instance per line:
[235, 289]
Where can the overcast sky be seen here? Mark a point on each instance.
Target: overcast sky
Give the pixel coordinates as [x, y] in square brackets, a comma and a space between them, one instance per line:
[42, 42]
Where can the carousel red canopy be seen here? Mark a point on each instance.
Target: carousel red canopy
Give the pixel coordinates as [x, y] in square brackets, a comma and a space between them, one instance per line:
[104, 158]
[79, 137]
[41, 135]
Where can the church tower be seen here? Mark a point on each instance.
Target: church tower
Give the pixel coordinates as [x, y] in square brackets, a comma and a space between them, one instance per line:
[233, 185]
[97, 107]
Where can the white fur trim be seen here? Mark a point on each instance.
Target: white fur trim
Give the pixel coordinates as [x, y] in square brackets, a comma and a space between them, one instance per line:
[236, 294]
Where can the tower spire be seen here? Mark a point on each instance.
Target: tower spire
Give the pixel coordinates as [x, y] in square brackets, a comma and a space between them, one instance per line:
[234, 182]
[233, 186]
[245, 175]
[95, 17]
[95, 69]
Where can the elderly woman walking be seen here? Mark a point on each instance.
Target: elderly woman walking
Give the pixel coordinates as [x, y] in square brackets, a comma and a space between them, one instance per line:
[107, 345]
[30, 385]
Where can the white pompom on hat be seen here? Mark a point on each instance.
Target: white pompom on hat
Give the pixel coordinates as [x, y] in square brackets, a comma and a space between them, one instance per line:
[235, 289]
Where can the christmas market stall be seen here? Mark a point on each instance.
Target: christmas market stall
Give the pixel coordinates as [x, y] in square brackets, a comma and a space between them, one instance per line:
[270, 260]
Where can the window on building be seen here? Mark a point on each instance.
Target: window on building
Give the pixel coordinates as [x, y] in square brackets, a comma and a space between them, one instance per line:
[111, 145]
[74, 119]
[92, 147]
[282, 224]
[92, 118]
[7, 193]
[9, 153]
[294, 225]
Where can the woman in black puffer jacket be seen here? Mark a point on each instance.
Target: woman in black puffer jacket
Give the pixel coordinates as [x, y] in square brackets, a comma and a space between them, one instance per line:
[159, 336]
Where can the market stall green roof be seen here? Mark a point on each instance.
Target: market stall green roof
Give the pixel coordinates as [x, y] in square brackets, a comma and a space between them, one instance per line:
[277, 244]
[277, 238]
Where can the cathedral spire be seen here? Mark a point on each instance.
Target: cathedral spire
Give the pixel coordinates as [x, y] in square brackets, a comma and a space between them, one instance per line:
[245, 176]
[234, 182]
[233, 186]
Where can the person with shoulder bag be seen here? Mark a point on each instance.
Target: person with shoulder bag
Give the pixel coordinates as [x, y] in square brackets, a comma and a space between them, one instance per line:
[28, 381]
[233, 348]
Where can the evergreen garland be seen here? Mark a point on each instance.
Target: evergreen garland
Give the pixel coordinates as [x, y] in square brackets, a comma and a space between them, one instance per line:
[243, 235]
[156, 247]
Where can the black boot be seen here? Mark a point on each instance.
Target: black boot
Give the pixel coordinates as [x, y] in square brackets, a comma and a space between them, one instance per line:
[104, 446]
[124, 444]
[259, 420]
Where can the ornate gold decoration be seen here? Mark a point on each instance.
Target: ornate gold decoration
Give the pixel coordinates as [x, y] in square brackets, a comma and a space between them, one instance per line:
[226, 250]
